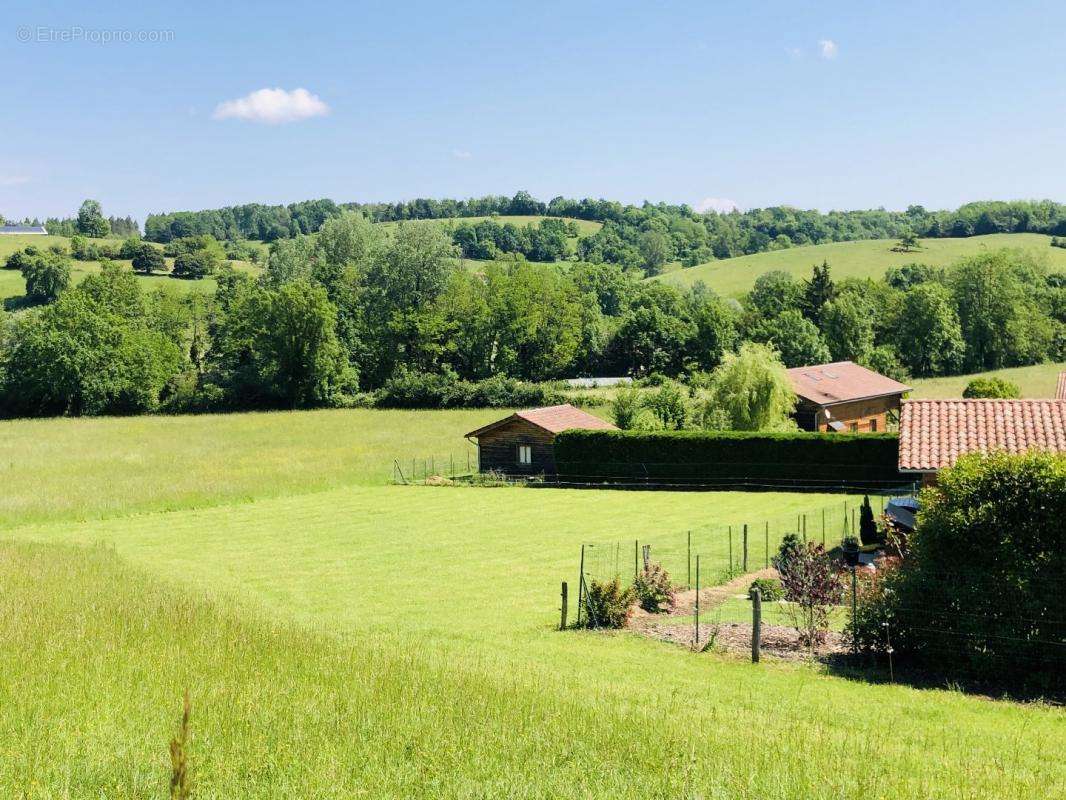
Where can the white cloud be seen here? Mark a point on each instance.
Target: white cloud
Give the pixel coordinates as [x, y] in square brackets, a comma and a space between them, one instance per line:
[794, 52]
[827, 48]
[273, 106]
[13, 180]
[463, 155]
[723, 205]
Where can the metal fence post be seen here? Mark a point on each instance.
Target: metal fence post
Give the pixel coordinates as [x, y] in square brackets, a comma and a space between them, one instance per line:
[756, 624]
[581, 586]
[766, 551]
[730, 550]
[688, 580]
[562, 618]
[636, 558]
[745, 547]
[697, 637]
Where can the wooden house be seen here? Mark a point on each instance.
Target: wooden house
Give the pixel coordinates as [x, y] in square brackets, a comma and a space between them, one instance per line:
[523, 443]
[844, 397]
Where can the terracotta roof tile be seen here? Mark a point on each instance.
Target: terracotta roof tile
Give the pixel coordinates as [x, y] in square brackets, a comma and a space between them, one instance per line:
[555, 419]
[934, 433]
[825, 384]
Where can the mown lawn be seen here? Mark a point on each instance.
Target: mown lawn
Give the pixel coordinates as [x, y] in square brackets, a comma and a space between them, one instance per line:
[733, 277]
[345, 638]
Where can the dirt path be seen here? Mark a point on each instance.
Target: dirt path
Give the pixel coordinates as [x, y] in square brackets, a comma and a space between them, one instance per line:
[778, 641]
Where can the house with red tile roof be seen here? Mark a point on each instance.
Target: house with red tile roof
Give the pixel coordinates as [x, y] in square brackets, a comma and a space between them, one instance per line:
[844, 396]
[934, 433]
[524, 442]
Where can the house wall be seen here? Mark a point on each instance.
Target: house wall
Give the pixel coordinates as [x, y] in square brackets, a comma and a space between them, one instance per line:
[863, 413]
[498, 449]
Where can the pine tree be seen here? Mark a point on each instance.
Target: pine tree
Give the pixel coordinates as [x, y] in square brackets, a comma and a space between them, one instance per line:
[818, 291]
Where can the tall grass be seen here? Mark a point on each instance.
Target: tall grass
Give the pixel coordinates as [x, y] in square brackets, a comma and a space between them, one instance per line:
[95, 655]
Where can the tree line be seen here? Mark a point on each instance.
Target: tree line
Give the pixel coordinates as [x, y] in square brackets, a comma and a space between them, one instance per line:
[646, 236]
[342, 313]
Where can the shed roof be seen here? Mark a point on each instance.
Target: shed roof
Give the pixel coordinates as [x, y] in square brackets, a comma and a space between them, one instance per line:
[22, 229]
[554, 419]
[1060, 391]
[934, 433]
[841, 382]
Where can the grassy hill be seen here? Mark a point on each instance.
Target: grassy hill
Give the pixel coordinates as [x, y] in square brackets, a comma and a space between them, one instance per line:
[584, 226]
[12, 284]
[733, 277]
[340, 637]
[1036, 381]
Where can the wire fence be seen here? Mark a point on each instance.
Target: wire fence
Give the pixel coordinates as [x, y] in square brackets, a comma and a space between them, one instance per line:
[728, 550]
[452, 466]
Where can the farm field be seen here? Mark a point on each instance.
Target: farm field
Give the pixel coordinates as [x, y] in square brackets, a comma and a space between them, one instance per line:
[1036, 381]
[340, 637]
[734, 277]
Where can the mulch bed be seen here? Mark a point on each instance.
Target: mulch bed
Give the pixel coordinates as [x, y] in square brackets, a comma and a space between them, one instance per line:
[778, 641]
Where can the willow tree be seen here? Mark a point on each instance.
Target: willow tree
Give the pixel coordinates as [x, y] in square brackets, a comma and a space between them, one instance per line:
[752, 388]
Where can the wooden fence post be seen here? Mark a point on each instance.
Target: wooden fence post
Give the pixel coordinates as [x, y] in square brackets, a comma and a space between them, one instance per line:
[745, 547]
[697, 637]
[730, 550]
[636, 558]
[562, 618]
[766, 554]
[688, 581]
[756, 624]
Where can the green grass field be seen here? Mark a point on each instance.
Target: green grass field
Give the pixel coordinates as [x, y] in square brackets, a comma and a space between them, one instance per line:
[586, 227]
[733, 277]
[341, 637]
[12, 284]
[1038, 381]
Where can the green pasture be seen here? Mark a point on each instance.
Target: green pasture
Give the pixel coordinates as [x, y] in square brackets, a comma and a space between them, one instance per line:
[734, 277]
[12, 284]
[586, 227]
[1037, 381]
[342, 637]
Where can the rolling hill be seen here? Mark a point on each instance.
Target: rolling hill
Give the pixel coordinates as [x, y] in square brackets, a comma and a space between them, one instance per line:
[733, 277]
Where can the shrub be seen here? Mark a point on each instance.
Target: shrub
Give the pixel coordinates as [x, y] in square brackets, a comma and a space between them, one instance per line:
[47, 276]
[195, 265]
[148, 259]
[770, 589]
[812, 584]
[653, 590]
[411, 389]
[789, 547]
[793, 459]
[868, 532]
[607, 604]
[991, 388]
[668, 405]
[626, 407]
[980, 592]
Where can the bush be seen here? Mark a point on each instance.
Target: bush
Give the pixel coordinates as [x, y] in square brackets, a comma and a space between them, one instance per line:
[195, 265]
[148, 259]
[770, 589]
[607, 604]
[980, 592]
[783, 459]
[626, 407]
[410, 389]
[991, 388]
[653, 590]
[812, 584]
[47, 275]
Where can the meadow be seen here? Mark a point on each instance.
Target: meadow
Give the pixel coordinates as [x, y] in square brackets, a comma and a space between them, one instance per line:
[733, 277]
[1037, 381]
[343, 637]
[12, 284]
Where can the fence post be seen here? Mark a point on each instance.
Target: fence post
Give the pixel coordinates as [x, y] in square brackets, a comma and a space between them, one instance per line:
[581, 586]
[766, 553]
[688, 580]
[730, 551]
[468, 472]
[451, 466]
[854, 609]
[636, 558]
[756, 624]
[697, 601]
[562, 618]
[745, 547]
[823, 526]
[804, 527]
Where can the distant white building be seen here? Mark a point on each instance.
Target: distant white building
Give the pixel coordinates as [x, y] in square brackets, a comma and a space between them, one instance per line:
[23, 230]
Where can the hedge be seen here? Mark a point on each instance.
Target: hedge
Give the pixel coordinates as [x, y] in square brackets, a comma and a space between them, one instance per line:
[797, 460]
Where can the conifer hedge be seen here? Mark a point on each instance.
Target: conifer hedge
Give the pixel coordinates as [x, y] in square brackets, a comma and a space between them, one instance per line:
[797, 460]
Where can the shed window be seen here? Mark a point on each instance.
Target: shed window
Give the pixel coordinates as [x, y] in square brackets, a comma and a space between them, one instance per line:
[525, 454]
[873, 425]
[854, 427]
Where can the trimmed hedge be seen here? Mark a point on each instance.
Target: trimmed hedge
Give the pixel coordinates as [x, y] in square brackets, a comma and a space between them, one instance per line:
[797, 460]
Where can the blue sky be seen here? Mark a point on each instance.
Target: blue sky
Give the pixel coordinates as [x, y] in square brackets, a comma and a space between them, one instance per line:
[814, 104]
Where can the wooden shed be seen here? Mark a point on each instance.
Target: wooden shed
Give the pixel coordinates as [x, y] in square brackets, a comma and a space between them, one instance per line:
[524, 443]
